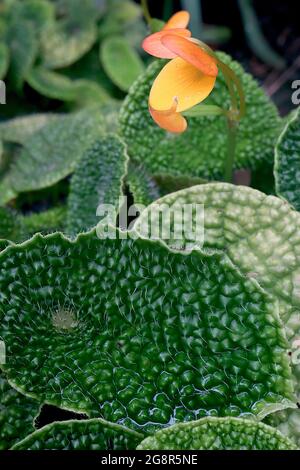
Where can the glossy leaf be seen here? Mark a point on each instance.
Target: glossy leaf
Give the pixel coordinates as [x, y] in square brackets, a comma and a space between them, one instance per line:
[259, 233]
[218, 434]
[17, 414]
[94, 434]
[137, 334]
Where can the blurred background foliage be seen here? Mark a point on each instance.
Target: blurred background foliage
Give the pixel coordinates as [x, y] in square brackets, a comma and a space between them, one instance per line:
[64, 54]
[59, 56]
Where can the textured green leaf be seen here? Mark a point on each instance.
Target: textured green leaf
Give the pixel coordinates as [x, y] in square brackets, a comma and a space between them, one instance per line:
[120, 61]
[17, 414]
[142, 187]
[52, 220]
[132, 332]
[288, 423]
[259, 233]
[98, 179]
[218, 434]
[19, 129]
[37, 13]
[94, 434]
[58, 86]
[64, 43]
[287, 161]
[23, 45]
[4, 59]
[51, 153]
[10, 225]
[201, 150]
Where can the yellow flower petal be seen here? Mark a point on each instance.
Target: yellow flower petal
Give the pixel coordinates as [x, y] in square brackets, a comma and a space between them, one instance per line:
[179, 20]
[182, 81]
[169, 120]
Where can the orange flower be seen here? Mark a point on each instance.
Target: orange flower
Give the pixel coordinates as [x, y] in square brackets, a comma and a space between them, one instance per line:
[184, 81]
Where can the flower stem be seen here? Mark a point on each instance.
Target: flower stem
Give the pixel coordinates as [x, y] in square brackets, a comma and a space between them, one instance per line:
[146, 11]
[229, 162]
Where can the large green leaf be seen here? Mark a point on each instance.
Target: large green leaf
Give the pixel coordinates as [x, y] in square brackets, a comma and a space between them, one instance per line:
[287, 161]
[59, 87]
[201, 150]
[66, 41]
[23, 46]
[93, 434]
[218, 434]
[17, 414]
[19, 129]
[38, 13]
[98, 179]
[52, 152]
[132, 332]
[259, 233]
[120, 61]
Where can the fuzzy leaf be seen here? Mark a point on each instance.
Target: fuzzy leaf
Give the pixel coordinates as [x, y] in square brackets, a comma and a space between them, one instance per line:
[98, 179]
[218, 434]
[23, 46]
[182, 337]
[64, 43]
[59, 87]
[201, 150]
[51, 153]
[52, 220]
[120, 61]
[19, 129]
[287, 161]
[11, 227]
[93, 434]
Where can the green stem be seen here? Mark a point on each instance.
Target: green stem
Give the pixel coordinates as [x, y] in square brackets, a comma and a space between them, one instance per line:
[146, 11]
[229, 163]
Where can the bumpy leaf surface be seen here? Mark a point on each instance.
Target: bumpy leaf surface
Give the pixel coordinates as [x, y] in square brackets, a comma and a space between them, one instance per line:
[17, 414]
[98, 179]
[94, 434]
[287, 162]
[52, 153]
[201, 150]
[259, 233]
[120, 61]
[19, 129]
[132, 332]
[52, 220]
[218, 434]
